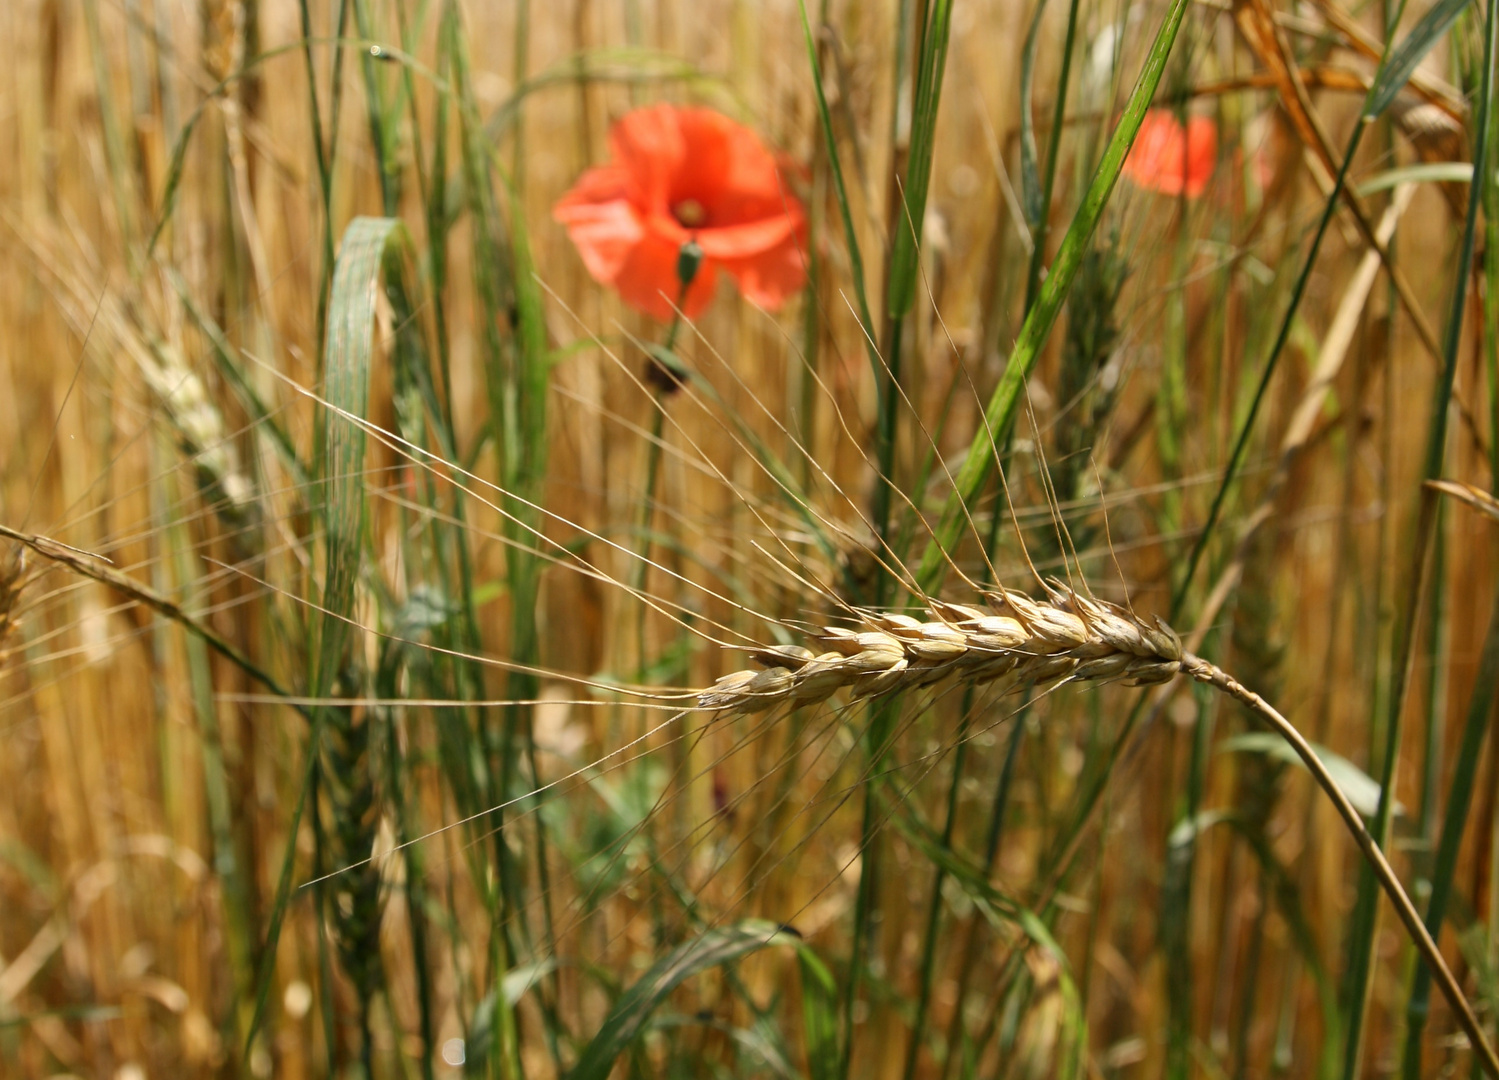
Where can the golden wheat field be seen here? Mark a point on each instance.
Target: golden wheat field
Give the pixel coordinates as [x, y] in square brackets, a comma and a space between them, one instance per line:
[812, 538]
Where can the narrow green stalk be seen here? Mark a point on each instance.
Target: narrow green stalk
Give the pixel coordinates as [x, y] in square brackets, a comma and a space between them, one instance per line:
[1283, 335]
[1042, 223]
[886, 431]
[647, 513]
[658, 377]
[1365, 925]
[1437, 633]
[850, 234]
[933, 31]
[240, 935]
[121, 186]
[383, 136]
[968, 951]
[1454, 824]
[882, 719]
[320, 156]
[935, 904]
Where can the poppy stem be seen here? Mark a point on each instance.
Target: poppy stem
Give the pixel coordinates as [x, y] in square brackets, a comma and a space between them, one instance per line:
[663, 381]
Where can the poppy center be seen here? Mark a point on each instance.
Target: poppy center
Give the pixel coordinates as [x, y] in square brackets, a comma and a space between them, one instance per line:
[690, 214]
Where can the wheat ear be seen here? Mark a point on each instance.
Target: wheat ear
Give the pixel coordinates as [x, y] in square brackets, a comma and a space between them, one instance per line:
[1022, 643]
[1015, 643]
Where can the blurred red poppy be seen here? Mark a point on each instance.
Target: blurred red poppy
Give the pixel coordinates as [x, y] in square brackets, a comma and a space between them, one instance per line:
[1171, 159]
[681, 174]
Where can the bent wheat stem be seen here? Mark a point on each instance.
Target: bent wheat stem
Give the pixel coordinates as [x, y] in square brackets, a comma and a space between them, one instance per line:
[1021, 643]
[1203, 671]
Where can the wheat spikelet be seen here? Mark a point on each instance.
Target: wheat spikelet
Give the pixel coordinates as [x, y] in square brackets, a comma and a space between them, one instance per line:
[130, 322]
[1015, 641]
[351, 808]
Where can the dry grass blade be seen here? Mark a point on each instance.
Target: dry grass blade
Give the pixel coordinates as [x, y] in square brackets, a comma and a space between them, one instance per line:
[1299, 430]
[1258, 29]
[1477, 498]
[12, 566]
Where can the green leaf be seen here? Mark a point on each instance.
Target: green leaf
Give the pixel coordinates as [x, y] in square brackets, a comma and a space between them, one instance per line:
[819, 1015]
[518, 981]
[1440, 172]
[374, 251]
[710, 949]
[1361, 788]
[1410, 52]
[1031, 199]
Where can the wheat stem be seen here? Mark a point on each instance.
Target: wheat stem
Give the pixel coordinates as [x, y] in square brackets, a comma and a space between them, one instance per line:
[1204, 671]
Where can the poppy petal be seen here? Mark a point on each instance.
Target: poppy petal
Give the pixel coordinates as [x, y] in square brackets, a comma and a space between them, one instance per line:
[1172, 159]
[600, 221]
[648, 280]
[772, 277]
[728, 170]
[1202, 154]
[749, 239]
[679, 174]
[649, 147]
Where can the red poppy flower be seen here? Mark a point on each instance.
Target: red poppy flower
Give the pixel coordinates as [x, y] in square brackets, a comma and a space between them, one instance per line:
[686, 174]
[1171, 159]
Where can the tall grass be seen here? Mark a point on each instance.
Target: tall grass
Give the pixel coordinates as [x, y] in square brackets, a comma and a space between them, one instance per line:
[358, 584]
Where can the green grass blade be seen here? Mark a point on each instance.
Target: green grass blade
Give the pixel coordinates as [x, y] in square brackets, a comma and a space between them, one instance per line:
[851, 236]
[906, 242]
[905, 254]
[1040, 213]
[712, 948]
[819, 1015]
[1402, 63]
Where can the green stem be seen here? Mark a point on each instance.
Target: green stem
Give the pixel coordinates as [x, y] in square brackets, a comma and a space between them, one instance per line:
[1040, 226]
[934, 905]
[1366, 909]
[1454, 822]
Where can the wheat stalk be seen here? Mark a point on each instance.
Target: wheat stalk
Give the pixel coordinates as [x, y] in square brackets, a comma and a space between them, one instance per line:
[1020, 643]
